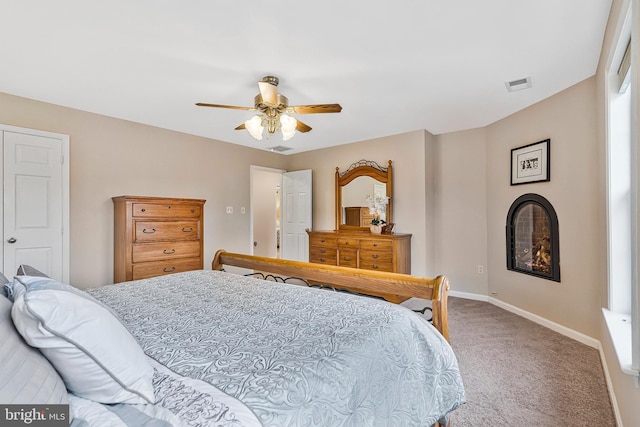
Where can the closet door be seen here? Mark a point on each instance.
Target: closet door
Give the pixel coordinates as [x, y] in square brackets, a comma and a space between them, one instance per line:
[33, 211]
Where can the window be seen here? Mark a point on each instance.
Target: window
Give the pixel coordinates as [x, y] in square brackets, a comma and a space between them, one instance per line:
[622, 197]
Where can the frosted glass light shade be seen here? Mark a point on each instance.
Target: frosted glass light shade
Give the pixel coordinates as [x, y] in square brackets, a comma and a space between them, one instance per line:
[287, 126]
[254, 126]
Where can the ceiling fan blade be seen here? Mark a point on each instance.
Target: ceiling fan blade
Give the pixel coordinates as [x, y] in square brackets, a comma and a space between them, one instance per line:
[234, 107]
[242, 126]
[314, 109]
[269, 93]
[301, 127]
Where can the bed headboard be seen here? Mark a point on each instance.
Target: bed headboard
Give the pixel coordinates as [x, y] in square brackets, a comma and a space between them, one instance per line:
[368, 282]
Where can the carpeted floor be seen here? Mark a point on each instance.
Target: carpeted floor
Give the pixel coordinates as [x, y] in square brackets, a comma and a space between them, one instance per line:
[520, 374]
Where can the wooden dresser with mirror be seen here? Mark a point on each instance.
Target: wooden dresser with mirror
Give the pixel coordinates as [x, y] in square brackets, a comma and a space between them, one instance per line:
[352, 243]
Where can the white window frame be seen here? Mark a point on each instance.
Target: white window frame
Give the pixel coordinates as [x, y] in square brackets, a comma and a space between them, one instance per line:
[622, 317]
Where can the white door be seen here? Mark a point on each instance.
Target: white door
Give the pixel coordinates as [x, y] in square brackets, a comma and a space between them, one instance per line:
[34, 211]
[296, 215]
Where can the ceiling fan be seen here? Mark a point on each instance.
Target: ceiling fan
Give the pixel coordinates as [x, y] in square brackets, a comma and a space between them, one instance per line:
[274, 109]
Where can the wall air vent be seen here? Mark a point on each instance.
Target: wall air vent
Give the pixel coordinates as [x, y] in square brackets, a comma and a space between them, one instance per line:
[279, 148]
[518, 84]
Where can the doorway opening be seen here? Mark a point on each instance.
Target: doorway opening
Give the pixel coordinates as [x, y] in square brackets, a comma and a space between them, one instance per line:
[265, 211]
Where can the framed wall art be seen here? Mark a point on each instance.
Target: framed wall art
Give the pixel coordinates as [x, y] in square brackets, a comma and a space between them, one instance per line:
[530, 163]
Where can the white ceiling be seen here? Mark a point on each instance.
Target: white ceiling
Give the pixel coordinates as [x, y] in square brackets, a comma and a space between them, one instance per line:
[394, 66]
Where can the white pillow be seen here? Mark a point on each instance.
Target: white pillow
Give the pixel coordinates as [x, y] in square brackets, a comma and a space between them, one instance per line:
[26, 376]
[94, 353]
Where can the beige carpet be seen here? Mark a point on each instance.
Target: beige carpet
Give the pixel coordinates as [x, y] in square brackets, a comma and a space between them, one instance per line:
[520, 374]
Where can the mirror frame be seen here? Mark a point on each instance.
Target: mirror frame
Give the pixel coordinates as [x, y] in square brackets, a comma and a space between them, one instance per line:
[363, 168]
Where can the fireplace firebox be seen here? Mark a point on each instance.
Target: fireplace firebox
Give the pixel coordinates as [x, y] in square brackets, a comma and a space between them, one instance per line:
[533, 245]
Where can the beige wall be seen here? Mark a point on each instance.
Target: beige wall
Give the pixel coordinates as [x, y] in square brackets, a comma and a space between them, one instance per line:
[407, 151]
[461, 210]
[568, 119]
[111, 157]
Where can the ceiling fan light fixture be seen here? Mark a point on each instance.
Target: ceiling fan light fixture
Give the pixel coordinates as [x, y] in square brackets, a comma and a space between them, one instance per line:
[287, 126]
[254, 127]
[271, 107]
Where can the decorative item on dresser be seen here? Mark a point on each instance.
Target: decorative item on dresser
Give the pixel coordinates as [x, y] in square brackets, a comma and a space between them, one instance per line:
[156, 235]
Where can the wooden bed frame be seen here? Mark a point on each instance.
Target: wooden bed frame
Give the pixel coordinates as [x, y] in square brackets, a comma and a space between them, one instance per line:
[394, 287]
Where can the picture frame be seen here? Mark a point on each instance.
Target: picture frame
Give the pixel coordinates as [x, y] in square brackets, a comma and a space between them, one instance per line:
[531, 163]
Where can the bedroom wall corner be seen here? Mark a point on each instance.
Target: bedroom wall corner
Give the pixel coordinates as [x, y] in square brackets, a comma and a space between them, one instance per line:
[461, 210]
[431, 168]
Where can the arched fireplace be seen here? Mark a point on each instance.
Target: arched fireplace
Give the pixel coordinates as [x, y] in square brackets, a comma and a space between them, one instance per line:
[533, 245]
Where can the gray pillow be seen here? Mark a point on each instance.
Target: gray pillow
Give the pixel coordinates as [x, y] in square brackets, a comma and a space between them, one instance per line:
[27, 270]
[26, 376]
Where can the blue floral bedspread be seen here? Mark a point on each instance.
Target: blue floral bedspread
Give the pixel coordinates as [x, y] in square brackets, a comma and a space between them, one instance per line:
[296, 356]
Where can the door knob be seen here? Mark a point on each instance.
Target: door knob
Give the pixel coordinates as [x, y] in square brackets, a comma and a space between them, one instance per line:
[11, 240]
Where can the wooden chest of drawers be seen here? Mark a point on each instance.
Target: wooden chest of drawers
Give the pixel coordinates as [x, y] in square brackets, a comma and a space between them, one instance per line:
[382, 252]
[359, 216]
[155, 236]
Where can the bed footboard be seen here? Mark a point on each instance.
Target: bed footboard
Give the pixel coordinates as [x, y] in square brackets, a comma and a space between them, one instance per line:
[391, 286]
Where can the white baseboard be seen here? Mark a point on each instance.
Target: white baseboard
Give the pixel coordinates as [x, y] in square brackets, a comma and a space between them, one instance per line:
[578, 336]
[607, 378]
[467, 295]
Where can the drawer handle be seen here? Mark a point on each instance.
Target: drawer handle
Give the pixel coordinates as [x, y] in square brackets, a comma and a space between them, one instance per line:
[144, 230]
[193, 211]
[347, 258]
[166, 252]
[323, 251]
[144, 210]
[184, 229]
[375, 244]
[346, 243]
[375, 266]
[322, 240]
[322, 260]
[374, 256]
[169, 271]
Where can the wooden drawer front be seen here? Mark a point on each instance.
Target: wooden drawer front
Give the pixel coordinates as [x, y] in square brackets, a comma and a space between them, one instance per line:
[322, 241]
[169, 210]
[169, 250]
[159, 268]
[153, 231]
[365, 219]
[348, 258]
[348, 243]
[322, 255]
[377, 245]
[376, 260]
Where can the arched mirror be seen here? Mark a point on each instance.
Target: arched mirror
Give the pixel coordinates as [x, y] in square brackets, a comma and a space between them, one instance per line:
[363, 191]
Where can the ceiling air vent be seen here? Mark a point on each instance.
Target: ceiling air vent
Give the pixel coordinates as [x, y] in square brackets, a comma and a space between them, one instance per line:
[279, 148]
[519, 84]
